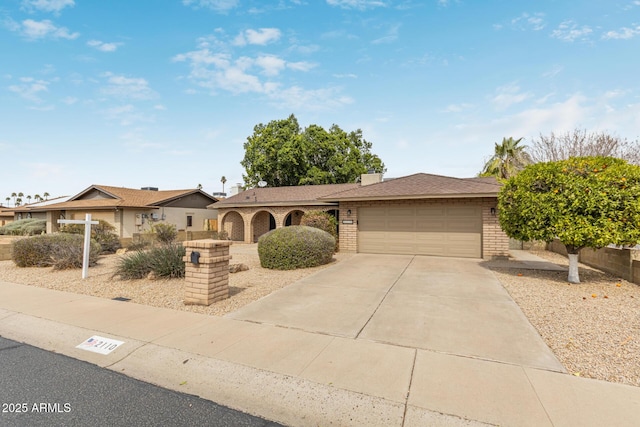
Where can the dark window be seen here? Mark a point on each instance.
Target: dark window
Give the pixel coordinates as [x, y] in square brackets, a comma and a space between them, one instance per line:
[189, 221]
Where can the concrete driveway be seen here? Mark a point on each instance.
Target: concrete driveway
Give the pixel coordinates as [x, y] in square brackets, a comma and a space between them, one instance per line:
[447, 305]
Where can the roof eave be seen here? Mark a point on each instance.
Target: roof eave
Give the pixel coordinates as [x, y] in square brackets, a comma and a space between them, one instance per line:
[272, 204]
[418, 196]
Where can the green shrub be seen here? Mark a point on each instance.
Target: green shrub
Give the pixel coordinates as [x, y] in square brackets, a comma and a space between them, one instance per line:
[103, 233]
[294, 247]
[164, 232]
[25, 227]
[163, 261]
[323, 221]
[59, 250]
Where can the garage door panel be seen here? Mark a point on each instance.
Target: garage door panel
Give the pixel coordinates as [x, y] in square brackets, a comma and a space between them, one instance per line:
[441, 230]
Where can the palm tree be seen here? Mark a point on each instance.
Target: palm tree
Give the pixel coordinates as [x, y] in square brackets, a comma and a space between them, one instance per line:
[8, 199]
[508, 159]
[29, 198]
[45, 195]
[37, 198]
[18, 201]
[223, 180]
[14, 195]
[199, 187]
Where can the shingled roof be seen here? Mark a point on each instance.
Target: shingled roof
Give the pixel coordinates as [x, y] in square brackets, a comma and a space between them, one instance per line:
[420, 186]
[283, 196]
[120, 197]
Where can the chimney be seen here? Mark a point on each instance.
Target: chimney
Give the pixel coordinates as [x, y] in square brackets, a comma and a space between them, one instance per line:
[236, 189]
[370, 178]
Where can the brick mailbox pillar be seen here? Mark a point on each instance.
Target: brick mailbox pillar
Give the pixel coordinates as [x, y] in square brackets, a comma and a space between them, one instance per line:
[206, 271]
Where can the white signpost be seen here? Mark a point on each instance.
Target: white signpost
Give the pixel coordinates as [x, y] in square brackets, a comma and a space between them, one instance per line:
[87, 239]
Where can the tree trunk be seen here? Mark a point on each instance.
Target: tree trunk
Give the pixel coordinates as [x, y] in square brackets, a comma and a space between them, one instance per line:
[573, 268]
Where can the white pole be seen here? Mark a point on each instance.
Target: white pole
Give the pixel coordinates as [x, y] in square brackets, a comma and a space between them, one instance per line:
[87, 246]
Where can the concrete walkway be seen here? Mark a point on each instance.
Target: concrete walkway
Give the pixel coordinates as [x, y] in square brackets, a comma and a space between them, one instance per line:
[375, 340]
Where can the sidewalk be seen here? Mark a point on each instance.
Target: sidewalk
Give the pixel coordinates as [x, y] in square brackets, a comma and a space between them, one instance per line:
[302, 378]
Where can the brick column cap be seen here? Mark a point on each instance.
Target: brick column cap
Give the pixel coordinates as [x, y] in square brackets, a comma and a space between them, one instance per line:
[206, 243]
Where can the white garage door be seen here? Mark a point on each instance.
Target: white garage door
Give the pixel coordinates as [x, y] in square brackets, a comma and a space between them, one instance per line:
[441, 230]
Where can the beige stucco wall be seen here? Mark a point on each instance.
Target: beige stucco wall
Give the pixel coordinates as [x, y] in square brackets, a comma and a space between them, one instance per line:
[124, 220]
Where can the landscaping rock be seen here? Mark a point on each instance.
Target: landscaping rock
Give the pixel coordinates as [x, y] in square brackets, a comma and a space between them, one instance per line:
[234, 268]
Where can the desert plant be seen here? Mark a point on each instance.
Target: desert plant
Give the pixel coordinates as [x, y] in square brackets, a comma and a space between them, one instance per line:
[322, 220]
[59, 250]
[25, 227]
[163, 261]
[164, 232]
[103, 233]
[294, 247]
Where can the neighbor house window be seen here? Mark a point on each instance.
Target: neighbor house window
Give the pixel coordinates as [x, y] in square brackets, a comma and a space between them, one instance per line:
[189, 221]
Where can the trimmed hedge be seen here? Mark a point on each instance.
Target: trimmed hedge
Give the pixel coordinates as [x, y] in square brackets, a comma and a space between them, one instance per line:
[60, 250]
[323, 221]
[103, 233]
[25, 227]
[297, 246]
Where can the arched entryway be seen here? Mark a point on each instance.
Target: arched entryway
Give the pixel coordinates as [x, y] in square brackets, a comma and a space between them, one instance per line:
[293, 218]
[262, 223]
[233, 224]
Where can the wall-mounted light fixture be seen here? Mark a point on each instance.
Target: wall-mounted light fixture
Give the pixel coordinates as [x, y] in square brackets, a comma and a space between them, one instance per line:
[348, 212]
[493, 211]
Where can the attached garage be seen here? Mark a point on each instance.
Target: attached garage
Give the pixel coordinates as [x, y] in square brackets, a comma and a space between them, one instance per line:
[421, 229]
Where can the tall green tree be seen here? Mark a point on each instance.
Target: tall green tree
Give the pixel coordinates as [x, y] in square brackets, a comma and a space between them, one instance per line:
[585, 202]
[223, 180]
[282, 154]
[508, 159]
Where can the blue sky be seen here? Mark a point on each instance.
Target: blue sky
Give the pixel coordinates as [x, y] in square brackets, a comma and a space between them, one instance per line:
[164, 93]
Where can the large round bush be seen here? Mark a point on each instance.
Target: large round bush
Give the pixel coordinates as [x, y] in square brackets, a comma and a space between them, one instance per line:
[294, 247]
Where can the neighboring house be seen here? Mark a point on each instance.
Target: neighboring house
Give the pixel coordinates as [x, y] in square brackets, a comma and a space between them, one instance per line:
[420, 214]
[130, 210]
[29, 211]
[6, 215]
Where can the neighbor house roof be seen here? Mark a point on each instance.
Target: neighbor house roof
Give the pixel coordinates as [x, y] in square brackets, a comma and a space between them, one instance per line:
[120, 197]
[283, 196]
[420, 186]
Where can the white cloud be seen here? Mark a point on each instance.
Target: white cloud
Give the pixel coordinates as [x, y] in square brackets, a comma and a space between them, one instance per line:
[127, 87]
[262, 37]
[300, 66]
[391, 36]
[528, 21]
[47, 5]
[346, 76]
[69, 100]
[103, 46]
[271, 65]
[357, 4]
[316, 99]
[215, 68]
[221, 71]
[623, 34]
[216, 5]
[127, 115]
[569, 31]
[557, 69]
[30, 89]
[509, 95]
[35, 30]
[159, 107]
[457, 108]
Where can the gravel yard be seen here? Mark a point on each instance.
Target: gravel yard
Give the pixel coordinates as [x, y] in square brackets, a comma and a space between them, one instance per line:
[245, 286]
[593, 328]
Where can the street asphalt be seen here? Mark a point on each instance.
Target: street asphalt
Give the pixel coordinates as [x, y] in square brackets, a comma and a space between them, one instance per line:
[41, 388]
